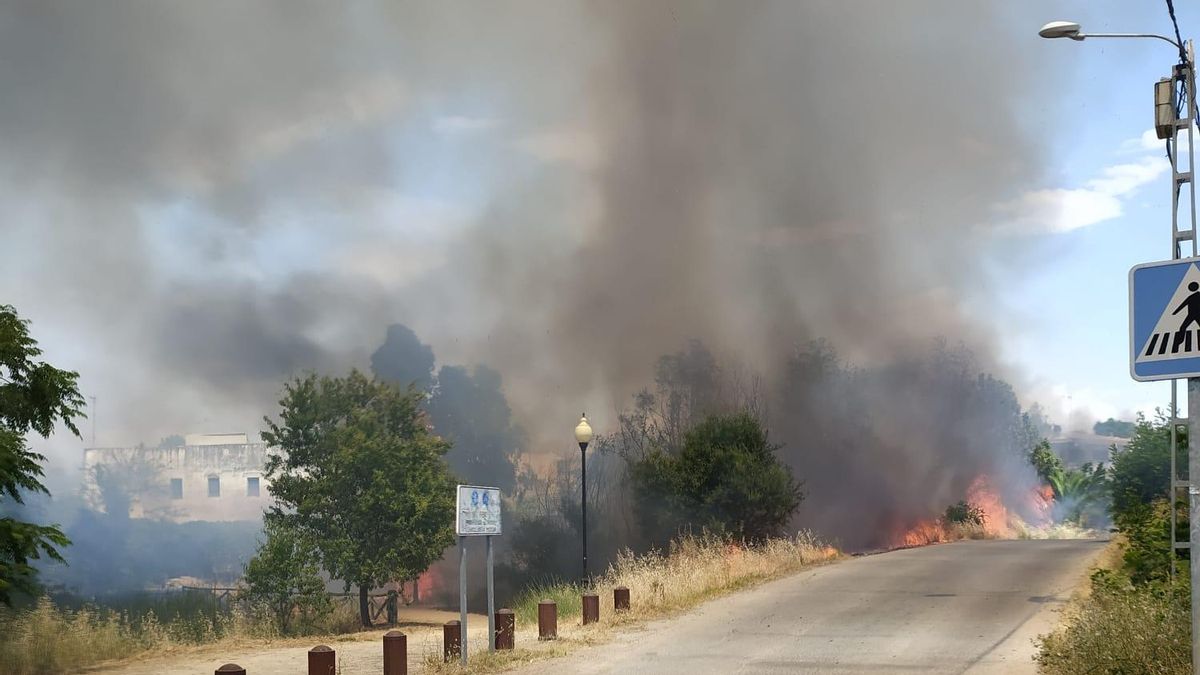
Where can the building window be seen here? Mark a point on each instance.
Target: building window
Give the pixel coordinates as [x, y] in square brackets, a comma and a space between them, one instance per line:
[214, 486]
[252, 486]
[176, 488]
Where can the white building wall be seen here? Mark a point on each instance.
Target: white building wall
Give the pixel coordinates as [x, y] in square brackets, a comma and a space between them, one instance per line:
[147, 474]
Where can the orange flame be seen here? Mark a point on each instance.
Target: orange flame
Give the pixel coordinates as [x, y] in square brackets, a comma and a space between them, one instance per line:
[995, 515]
[426, 583]
[997, 521]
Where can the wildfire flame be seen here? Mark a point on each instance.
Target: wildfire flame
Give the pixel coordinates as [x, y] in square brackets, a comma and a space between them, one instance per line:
[997, 520]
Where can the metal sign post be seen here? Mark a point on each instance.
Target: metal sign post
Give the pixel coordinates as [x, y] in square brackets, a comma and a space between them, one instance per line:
[1164, 309]
[476, 514]
[491, 599]
[462, 598]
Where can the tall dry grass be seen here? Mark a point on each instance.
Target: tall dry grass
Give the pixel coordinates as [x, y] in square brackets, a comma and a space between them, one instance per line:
[46, 639]
[695, 569]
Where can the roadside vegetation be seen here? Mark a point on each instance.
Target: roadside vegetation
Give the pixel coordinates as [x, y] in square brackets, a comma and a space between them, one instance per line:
[1135, 619]
[694, 569]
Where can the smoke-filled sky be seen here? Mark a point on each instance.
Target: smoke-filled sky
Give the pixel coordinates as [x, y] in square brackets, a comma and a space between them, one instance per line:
[198, 200]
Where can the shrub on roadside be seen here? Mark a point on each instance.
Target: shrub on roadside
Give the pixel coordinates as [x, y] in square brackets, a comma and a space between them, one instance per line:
[1123, 629]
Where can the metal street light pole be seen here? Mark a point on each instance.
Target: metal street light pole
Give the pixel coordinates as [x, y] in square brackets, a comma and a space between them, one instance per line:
[1168, 129]
[583, 435]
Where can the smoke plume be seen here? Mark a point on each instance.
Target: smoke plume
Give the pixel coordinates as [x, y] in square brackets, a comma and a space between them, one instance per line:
[199, 200]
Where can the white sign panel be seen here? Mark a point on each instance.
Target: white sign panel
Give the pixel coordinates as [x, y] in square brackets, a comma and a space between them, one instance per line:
[478, 511]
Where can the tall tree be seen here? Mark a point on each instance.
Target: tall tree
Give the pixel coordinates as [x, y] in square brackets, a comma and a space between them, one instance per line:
[726, 478]
[469, 409]
[355, 470]
[34, 396]
[403, 359]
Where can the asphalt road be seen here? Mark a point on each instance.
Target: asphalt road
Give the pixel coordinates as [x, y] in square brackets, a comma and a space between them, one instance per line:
[972, 606]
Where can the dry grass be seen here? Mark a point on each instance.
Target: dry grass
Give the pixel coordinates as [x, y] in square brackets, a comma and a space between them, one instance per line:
[47, 639]
[696, 569]
[1112, 627]
[1053, 531]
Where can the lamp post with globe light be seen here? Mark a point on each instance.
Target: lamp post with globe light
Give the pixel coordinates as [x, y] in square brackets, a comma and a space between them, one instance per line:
[583, 435]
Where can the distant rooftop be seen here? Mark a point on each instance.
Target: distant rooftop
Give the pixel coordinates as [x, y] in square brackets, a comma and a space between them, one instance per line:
[216, 439]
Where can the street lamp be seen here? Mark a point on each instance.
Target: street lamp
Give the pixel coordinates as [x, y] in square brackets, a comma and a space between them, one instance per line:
[1167, 124]
[583, 434]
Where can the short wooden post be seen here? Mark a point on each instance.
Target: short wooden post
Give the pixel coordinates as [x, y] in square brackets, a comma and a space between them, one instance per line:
[591, 608]
[506, 628]
[231, 669]
[395, 653]
[392, 607]
[322, 660]
[451, 640]
[547, 620]
[620, 599]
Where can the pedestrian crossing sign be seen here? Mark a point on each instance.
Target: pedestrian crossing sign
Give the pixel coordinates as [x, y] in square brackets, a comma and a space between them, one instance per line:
[1164, 320]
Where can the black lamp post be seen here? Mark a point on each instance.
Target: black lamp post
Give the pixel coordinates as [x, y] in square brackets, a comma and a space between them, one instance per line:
[583, 434]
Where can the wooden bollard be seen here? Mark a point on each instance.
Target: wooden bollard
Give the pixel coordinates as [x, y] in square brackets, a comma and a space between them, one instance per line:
[395, 653]
[230, 669]
[620, 599]
[506, 628]
[547, 620]
[322, 660]
[451, 640]
[591, 608]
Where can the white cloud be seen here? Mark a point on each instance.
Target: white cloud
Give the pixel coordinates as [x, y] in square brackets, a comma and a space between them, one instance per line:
[1147, 142]
[1065, 209]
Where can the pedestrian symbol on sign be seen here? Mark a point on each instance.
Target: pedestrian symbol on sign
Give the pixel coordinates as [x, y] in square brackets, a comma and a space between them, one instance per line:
[1165, 320]
[1177, 331]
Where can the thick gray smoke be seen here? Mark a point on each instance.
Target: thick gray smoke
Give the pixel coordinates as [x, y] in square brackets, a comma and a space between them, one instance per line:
[198, 200]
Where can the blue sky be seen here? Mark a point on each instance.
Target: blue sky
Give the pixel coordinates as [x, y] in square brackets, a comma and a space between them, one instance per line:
[1071, 303]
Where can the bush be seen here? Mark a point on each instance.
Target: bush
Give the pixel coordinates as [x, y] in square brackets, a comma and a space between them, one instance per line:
[1139, 473]
[726, 478]
[964, 513]
[1124, 629]
[285, 578]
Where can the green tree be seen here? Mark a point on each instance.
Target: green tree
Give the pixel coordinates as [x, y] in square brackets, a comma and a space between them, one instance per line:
[354, 469]
[34, 396]
[285, 577]
[1080, 492]
[468, 408]
[1139, 472]
[1113, 427]
[725, 478]
[1044, 461]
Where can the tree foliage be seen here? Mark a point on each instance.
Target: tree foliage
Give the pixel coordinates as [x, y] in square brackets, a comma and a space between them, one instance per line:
[469, 409]
[725, 478]
[284, 577]
[1140, 471]
[1045, 461]
[355, 470]
[403, 359]
[1079, 492]
[1138, 480]
[1114, 427]
[34, 396]
[964, 513]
